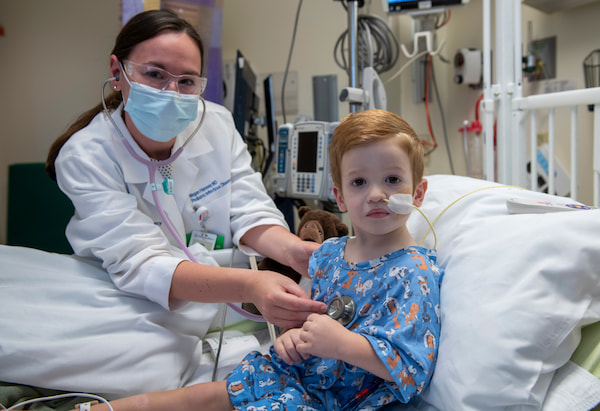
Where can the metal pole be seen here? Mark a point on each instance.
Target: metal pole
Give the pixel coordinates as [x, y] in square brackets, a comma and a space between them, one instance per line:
[352, 34]
[488, 100]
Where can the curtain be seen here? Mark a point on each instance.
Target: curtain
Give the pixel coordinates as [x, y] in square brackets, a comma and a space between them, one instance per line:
[207, 17]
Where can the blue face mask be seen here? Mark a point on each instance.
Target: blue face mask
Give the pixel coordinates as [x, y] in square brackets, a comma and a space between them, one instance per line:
[160, 115]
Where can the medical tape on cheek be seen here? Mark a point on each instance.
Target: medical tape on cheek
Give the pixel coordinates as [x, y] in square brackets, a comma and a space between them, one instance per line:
[400, 203]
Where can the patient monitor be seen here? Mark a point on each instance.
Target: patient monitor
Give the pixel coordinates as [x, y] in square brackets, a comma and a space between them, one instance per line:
[419, 6]
[302, 162]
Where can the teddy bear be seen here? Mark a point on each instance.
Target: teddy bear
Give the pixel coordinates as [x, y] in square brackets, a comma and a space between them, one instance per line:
[315, 225]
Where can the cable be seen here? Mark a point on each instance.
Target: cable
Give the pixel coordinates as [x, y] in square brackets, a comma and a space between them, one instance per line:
[434, 143]
[430, 228]
[221, 334]
[407, 64]
[287, 66]
[437, 96]
[218, 354]
[55, 397]
[377, 45]
[460, 198]
[447, 14]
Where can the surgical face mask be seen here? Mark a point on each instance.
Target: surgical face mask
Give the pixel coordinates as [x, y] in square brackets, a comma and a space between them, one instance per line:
[157, 114]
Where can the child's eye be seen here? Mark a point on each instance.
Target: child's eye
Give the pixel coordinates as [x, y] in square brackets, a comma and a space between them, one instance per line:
[358, 182]
[393, 180]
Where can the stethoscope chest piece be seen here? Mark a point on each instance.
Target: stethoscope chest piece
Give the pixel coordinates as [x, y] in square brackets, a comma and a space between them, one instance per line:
[342, 309]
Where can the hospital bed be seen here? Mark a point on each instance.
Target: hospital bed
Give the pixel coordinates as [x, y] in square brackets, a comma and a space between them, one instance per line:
[520, 298]
[518, 290]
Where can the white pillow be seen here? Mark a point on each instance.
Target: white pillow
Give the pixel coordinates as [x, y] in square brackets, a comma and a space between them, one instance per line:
[516, 291]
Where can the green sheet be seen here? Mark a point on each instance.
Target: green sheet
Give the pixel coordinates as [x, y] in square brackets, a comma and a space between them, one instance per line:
[11, 394]
[587, 354]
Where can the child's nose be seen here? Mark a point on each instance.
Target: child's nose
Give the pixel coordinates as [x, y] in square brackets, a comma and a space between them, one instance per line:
[376, 193]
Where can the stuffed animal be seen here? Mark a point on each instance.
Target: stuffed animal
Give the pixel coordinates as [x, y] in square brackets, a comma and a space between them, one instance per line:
[315, 225]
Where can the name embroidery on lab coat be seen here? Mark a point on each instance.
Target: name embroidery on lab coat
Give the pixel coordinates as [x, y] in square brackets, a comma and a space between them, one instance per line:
[213, 187]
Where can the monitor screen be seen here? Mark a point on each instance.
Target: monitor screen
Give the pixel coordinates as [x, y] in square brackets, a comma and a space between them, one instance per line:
[245, 100]
[307, 151]
[401, 6]
[271, 119]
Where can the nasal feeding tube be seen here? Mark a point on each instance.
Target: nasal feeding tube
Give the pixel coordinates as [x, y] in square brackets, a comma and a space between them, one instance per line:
[152, 168]
[403, 204]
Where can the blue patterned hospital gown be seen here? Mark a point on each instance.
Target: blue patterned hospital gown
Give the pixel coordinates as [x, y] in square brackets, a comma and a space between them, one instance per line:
[397, 299]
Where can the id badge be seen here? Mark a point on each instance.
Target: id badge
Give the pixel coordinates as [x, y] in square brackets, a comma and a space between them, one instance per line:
[209, 241]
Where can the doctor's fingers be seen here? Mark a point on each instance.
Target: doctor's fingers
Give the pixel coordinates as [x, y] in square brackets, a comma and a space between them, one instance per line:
[284, 316]
[276, 289]
[298, 303]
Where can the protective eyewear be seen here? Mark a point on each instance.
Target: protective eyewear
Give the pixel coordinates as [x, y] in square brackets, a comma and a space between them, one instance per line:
[158, 78]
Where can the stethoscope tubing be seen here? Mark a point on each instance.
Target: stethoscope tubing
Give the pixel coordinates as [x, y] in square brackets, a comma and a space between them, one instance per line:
[152, 166]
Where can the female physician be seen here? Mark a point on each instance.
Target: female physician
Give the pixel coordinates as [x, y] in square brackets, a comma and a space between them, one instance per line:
[132, 219]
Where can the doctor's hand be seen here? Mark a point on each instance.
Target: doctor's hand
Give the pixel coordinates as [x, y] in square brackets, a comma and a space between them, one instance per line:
[281, 301]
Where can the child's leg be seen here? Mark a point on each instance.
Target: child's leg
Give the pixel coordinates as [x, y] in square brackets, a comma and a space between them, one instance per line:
[209, 396]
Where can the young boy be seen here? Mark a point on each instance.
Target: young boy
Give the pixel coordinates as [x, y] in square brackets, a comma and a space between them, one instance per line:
[381, 288]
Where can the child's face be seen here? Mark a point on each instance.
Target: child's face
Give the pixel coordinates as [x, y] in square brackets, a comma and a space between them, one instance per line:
[371, 174]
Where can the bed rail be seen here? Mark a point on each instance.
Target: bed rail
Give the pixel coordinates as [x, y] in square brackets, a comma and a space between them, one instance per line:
[570, 99]
[504, 109]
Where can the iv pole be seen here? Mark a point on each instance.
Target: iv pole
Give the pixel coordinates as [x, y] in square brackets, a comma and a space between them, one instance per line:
[353, 6]
[370, 93]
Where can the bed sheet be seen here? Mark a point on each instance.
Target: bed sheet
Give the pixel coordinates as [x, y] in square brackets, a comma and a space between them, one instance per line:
[65, 326]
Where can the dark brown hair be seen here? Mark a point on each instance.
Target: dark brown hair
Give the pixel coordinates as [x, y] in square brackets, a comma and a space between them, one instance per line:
[139, 28]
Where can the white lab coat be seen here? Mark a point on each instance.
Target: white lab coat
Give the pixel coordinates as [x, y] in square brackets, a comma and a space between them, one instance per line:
[116, 220]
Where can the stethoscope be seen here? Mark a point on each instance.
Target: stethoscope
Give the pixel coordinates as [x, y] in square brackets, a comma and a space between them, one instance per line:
[342, 309]
[152, 166]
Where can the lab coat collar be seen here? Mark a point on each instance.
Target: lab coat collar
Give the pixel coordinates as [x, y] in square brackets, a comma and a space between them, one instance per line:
[185, 169]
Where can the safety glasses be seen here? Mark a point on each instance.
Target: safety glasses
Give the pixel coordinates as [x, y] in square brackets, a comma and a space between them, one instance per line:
[160, 79]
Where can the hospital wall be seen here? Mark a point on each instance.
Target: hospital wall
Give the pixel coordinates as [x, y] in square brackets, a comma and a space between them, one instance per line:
[54, 57]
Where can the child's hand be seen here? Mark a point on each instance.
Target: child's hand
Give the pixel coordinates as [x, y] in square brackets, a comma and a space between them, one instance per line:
[285, 346]
[322, 336]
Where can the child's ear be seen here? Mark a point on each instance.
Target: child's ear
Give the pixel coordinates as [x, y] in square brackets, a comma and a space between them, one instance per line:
[339, 198]
[419, 195]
